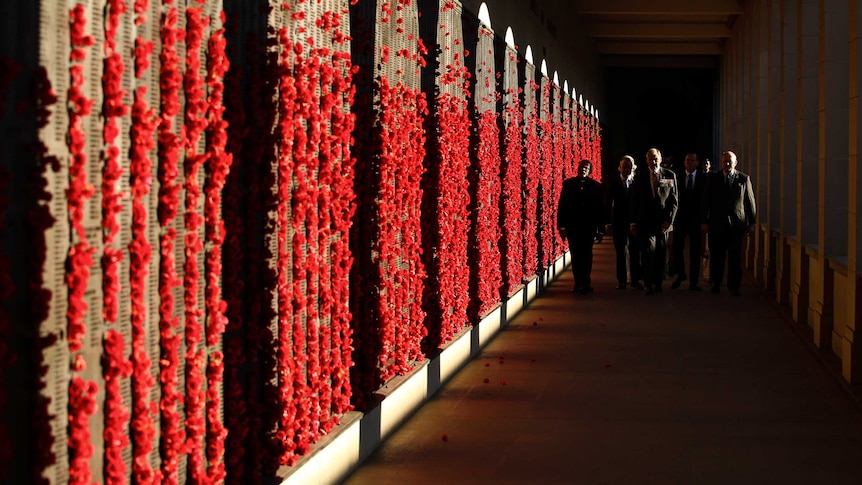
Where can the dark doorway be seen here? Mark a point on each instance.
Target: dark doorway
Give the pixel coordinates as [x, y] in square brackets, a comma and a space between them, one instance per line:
[672, 109]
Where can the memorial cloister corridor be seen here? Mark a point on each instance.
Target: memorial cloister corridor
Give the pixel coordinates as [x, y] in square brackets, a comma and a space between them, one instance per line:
[307, 242]
[621, 388]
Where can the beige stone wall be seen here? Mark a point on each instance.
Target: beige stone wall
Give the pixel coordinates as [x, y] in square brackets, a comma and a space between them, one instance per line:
[789, 108]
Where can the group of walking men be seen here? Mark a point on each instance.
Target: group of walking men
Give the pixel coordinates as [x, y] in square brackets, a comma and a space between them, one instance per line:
[640, 209]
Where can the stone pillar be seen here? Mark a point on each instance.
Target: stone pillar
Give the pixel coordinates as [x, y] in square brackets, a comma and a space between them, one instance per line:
[743, 149]
[725, 100]
[807, 154]
[788, 148]
[739, 57]
[738, 88]
[832, 180]
[851, 344]
[730, 139]
[748, 161]
[728, 95]
[759, 166]
[769, 220]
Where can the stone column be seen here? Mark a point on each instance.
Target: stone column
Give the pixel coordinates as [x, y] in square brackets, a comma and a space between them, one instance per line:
[729, 84]
[832, 180]
[788, 148]
[759, 168]
[768, 215]
[731, 52]
[726, 76]
[807, 154]
[738, 88]
[851, 344]
[756, 153]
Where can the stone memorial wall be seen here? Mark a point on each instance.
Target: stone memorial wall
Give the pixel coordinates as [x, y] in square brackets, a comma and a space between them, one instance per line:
[225, 225]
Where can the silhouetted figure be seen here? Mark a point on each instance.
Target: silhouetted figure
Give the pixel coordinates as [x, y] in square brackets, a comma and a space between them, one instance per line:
[653, 209]
[728, 212]
[580, 220]
[686, 226]
[619, 196]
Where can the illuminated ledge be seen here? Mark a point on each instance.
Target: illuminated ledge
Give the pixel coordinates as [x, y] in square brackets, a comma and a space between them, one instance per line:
[532, 289]
[358, 435]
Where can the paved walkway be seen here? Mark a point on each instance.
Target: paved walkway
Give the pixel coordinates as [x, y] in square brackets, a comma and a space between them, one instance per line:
[622, 388]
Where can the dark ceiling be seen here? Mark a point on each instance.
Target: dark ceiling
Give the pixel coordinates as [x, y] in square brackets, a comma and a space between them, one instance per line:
[655, 28]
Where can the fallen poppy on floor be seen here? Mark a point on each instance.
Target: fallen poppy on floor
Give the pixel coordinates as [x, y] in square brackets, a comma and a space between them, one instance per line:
[532, 359]
[607, 365]
[502, 383]
[487, 364]
[535, 324]
[486, 380]
[444, 437]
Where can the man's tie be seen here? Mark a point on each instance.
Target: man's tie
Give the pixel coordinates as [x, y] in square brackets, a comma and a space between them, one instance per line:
[690, 182]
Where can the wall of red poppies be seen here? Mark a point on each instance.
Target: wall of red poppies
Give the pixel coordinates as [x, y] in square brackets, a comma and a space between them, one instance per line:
[512, 220]
[227, 224]
[389, 274]
[484, 174]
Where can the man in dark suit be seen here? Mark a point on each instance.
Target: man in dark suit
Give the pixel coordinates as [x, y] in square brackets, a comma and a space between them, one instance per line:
[727, 213]
[618, 209]
[653, 209]
[687, 224]
[580, 220]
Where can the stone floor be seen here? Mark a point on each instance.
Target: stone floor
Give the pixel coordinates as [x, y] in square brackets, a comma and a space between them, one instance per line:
[622, 388]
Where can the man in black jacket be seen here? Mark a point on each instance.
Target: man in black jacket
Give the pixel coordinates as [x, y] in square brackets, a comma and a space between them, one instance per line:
[618, 210]
[687, 224]
[580, 220]
[653, 209]
[727, 213]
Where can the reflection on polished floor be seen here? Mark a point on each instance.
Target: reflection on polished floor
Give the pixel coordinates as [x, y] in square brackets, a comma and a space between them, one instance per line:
[617, 387]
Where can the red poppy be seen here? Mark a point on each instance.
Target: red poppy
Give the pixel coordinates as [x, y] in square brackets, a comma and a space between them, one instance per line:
[82, 400]
[513, 225]
[532, 178]
[171, 435]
